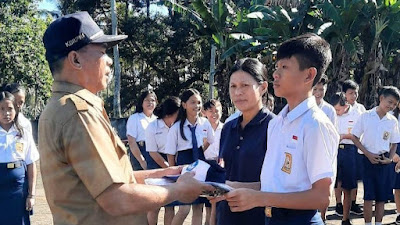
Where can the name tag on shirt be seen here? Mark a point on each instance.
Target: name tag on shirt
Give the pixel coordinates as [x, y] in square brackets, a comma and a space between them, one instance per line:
[287, 165]
[19, 147]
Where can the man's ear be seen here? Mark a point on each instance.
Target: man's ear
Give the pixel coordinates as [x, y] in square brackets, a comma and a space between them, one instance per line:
[74, 60]
[264, 87]
[311, 73]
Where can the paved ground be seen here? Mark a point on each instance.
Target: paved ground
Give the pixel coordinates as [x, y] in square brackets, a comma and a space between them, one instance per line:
[42, 214]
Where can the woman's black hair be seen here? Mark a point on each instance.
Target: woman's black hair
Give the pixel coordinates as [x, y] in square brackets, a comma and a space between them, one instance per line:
[182, 112]
[338, 98]
[251, 66]
[5, 95]
[14, 88]
[168, 107]
[143, 95]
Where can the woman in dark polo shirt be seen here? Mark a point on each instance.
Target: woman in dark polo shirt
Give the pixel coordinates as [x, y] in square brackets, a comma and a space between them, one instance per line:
[244, 139]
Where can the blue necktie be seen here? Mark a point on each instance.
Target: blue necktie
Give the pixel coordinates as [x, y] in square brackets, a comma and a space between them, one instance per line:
[195, 147]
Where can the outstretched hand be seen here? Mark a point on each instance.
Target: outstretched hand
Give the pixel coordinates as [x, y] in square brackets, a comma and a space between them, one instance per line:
[242, 199]
[190, 188]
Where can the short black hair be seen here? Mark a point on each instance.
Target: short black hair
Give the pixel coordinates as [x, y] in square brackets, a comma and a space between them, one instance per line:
[210, 103]
[349, 84]
[387, 91]
[14, 88]
[310, 50]
[168, 107]
[56, 66]
[338, 98]
[323, 80]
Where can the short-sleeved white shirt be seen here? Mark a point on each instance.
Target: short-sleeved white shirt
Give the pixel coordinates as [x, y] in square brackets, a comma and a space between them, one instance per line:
[329, 110]
[235, 115]
[346, 123]
[377, 133]
[137, 124]
[176, 143]
[25, 123]
[13, 147]
[360, 107]
[156, 136]
[212, 151]
[301, 149]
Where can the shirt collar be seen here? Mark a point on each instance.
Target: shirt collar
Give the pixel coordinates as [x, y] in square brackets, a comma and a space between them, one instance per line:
[188, 123]
[161, 124]
[299, 110]
[59, 86]
[375, 114]
[3, 132]
[258, 119]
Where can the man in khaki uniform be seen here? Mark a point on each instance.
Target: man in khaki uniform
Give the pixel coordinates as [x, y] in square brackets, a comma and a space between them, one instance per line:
[86, 173]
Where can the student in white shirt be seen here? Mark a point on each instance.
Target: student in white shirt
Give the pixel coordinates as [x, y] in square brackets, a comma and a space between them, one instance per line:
[156, 138]
[319, 91]
[350, 90]
[300, 163]
[185, 145]
[19, 93]
[212, 109]
[380, 134]
[347, 171]
[18, 155]
[136, 127]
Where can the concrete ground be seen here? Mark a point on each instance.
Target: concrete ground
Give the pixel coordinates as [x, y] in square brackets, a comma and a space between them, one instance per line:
[42, 214]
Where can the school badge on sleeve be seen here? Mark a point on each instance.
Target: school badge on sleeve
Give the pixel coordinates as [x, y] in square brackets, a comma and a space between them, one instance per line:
[386, 135]
[19, 147]
[287, 165]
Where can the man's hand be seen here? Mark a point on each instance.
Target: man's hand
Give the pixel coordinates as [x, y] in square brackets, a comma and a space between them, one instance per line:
[242, 199]
[189, 188]
[385, 160]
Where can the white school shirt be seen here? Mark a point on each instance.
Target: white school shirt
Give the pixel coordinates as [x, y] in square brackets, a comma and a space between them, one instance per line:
[360, 107]
[176, 143]
[137, 124]
[13, 147]
[346, 123]
[25, 123]
[329, 110]
[301, 149]
[212, 151]
[377, 133]
[235, 115]
[156, 136]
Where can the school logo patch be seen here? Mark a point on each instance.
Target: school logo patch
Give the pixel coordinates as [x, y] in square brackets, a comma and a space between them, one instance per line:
[19, 147]
[386, 135]
[287, 164]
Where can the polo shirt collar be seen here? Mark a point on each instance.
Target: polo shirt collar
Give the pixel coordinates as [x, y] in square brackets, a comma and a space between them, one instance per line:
[59, 86]
[161, 124]
[258, 119]
[4, 132]
[299, 110]
[375, 114]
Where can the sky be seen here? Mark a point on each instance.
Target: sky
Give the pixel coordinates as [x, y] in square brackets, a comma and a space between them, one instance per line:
[48, 4]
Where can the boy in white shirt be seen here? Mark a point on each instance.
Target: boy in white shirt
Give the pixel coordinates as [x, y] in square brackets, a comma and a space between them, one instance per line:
[319, 91]
[380, 134]
[300, 163]
[346, 179]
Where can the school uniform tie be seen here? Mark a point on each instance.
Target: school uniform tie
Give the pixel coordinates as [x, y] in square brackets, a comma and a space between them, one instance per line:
[195, 147]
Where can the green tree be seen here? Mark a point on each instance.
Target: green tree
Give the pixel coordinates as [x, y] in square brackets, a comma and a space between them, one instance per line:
[22, 55]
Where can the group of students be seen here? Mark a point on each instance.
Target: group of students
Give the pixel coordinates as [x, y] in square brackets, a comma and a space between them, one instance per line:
[18, 154]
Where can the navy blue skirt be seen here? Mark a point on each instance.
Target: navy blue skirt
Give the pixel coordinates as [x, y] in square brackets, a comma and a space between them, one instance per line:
[13, 193]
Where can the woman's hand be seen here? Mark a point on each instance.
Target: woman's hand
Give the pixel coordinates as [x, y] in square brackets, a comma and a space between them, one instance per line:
[30, 202]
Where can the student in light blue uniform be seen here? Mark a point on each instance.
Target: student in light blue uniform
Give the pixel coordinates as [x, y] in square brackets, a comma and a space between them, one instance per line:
[300, 163]
[186, 142]
[380, 133]
[18, 154]
[156, 137]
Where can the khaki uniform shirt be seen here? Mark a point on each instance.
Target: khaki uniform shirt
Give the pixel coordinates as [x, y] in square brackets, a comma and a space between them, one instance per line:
[81, 157]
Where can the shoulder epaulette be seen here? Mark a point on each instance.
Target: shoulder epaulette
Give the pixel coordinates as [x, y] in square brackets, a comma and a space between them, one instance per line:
[80, 104]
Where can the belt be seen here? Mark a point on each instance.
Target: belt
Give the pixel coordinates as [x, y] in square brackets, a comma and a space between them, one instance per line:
[343, 146]
[12, 165]
[140, 143]
[281, 212]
